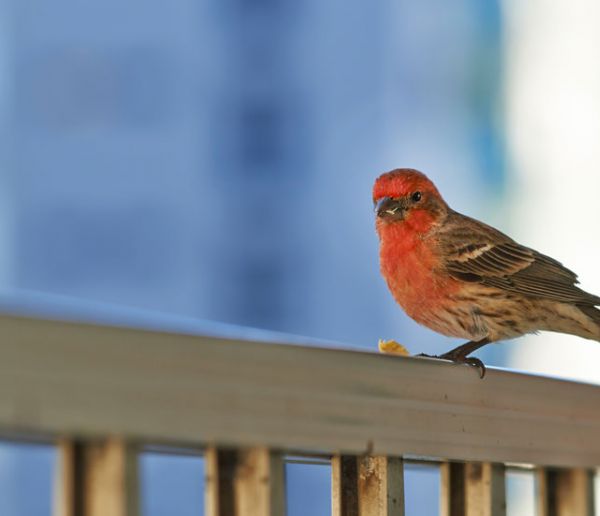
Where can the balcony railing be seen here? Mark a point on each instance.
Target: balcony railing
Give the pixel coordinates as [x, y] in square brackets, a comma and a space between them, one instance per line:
[103, 392]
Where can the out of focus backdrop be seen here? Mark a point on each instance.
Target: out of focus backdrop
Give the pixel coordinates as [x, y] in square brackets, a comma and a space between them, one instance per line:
[214, 160]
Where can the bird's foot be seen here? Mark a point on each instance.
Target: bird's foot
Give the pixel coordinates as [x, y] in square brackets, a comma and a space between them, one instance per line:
[391, 347]
[459, 359]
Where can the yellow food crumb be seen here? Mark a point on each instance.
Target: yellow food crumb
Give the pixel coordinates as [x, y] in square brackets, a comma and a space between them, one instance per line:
[392, 347]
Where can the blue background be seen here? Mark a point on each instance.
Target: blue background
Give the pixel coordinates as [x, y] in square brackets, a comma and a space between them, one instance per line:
[215, 158]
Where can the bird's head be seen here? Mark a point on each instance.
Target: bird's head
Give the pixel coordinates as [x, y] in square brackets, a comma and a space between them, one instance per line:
[407, 196]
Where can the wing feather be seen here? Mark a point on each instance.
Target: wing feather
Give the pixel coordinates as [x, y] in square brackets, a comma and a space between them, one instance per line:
[487, 256]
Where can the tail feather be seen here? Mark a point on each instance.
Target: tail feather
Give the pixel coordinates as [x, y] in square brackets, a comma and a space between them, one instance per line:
[593, 313]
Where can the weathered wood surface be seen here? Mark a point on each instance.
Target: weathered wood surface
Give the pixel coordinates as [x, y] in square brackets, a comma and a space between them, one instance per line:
[248, 482]
[344, 485]
[87, 381]
[381, 486]
[565, 492]
[472, 489]
[96, 479]
[367, 486]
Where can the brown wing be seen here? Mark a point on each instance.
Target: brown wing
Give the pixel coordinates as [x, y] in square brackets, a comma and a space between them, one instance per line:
[479, 253]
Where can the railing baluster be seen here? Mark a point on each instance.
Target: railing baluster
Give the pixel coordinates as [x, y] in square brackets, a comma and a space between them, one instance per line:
[486, 489]
[381, 486]
[473, 489]
[344, 485]
[96, 479]
[452, 493]
[244, 482]
[564, 492]
[367, 486]
[67, 498]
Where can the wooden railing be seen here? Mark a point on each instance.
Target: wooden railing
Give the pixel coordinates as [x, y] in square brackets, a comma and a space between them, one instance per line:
[101, 393]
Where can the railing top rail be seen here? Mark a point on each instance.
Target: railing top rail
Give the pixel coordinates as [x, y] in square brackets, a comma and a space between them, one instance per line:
[72, 379]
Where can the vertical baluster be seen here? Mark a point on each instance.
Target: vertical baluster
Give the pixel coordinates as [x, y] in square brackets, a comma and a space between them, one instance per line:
[453, 492]
[367, 486]
[244, 482]
[68, 479]
[473, 489]
[344, 485]
[564, 492]
[486, 489]
[96, 479]
[381, 486]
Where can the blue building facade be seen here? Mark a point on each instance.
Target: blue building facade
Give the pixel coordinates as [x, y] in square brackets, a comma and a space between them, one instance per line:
[215, 158]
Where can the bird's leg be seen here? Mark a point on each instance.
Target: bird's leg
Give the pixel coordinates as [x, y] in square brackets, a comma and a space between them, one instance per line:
[459, 354]
[463, 350]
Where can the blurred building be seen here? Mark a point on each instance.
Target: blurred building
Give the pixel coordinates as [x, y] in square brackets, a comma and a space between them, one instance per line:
[107, 132]
[215, 158]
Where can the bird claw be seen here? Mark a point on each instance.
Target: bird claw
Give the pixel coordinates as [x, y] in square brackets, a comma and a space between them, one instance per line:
[476, 362]
[459, 359]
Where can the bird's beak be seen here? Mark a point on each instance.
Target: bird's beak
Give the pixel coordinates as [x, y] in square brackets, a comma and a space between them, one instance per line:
[389, 208]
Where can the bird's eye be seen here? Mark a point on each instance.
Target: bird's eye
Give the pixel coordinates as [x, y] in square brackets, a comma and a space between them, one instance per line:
[416, 197]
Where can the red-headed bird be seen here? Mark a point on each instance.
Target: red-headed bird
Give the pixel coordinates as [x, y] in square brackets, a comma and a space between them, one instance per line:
[463, 278]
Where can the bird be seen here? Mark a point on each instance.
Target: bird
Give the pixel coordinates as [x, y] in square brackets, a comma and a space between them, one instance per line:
[463, 278]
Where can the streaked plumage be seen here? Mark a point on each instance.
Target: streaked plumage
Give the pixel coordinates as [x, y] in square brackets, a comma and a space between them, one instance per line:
[463, 278]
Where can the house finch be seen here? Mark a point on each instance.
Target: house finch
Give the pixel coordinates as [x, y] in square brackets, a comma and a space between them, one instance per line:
[465, 279]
